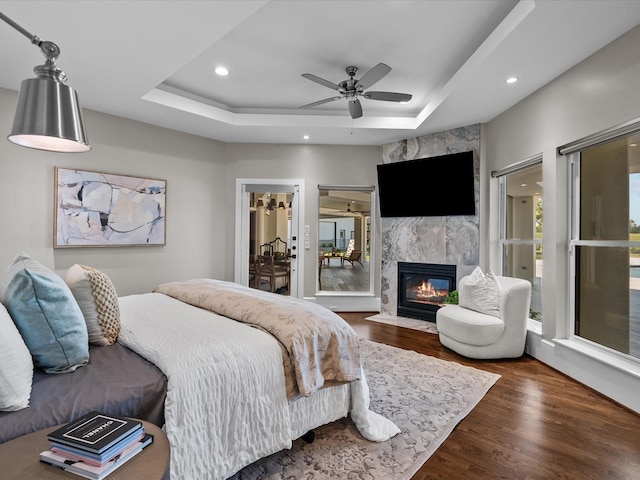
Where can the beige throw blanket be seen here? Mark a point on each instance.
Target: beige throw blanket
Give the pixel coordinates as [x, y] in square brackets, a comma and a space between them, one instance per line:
[319, 348]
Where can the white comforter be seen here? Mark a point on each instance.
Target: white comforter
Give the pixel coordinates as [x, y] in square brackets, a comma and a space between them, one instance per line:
[226, 401]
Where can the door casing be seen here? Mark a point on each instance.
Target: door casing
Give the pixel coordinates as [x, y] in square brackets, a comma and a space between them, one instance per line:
[241, 256]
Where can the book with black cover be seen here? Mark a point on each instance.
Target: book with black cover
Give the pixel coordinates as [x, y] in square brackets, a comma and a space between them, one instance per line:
[95, 432]
[92, 471]
[98, 458]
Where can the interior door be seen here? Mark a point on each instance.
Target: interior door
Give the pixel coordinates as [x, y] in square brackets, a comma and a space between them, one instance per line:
[268, 256]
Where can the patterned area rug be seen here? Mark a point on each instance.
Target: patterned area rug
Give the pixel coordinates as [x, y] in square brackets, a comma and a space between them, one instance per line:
[422, 325]
[424, 396]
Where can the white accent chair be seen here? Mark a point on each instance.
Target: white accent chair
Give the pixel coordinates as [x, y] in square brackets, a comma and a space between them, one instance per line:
[478, 335]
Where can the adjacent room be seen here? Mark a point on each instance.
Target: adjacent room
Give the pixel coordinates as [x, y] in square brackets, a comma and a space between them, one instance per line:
[363, 239]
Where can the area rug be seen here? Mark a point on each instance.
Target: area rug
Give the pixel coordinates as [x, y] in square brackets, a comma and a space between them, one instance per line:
[424, 396]
[422, 325]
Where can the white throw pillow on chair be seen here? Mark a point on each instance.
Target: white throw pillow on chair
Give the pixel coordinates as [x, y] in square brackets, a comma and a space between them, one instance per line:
[481, 292]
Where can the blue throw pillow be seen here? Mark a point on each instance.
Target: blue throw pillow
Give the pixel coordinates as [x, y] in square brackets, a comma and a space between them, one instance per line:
[47, 316]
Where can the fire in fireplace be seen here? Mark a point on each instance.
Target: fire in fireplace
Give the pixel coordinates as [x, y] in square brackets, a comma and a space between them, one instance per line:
[423, 287]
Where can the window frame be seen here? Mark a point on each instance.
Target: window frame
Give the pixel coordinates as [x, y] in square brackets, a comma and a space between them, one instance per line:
[371, 190]
[504, 242]
[574, 159]
[573, 153]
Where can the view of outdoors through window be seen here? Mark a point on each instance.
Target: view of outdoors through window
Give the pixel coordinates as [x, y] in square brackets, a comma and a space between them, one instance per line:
[634, 229]
[608, 246]
[521, 239]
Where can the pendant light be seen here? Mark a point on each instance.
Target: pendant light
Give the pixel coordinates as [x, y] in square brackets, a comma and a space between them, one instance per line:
[48, 115]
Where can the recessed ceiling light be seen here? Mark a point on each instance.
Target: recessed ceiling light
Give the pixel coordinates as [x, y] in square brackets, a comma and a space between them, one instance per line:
[222, 71]
[523, 184]
[511, 80]
[633, 144]
[306, 137]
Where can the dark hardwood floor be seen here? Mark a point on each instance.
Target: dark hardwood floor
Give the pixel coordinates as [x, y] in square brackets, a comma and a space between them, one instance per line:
[534, 423]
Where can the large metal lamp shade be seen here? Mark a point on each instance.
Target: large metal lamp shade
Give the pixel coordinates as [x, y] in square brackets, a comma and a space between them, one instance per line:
[48, 117]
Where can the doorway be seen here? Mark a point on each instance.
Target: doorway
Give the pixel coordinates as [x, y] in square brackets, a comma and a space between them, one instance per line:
[268, 222]
[344, 239]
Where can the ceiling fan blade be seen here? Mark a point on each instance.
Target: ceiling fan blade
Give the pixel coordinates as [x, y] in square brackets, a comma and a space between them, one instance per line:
[321, 81]
[374, 75]
[355, 108]
[388, 96]
[320, 102]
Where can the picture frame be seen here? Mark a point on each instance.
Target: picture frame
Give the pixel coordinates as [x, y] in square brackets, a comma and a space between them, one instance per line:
[98, 209]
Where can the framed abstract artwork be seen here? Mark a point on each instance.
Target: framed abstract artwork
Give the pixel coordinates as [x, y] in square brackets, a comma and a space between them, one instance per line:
[95, 209]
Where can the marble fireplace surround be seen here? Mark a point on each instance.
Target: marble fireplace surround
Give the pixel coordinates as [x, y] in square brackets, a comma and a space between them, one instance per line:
[446, 240]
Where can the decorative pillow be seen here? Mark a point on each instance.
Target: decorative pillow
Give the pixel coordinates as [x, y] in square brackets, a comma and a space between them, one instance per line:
[98, 301]
[16, 366]
[47, 316]
[481, 293]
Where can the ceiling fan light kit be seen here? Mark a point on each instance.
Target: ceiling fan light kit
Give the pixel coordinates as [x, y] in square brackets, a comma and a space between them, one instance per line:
[351, 89]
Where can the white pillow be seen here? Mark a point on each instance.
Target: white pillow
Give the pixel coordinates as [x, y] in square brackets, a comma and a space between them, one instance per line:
[16, 366]
[98, 301]
[481, 293]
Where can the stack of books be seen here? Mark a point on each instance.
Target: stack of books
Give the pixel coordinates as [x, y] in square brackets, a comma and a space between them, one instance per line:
[95, 445]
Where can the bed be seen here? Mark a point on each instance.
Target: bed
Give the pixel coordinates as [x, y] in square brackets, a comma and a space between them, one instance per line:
[202, 362]
[116, 381]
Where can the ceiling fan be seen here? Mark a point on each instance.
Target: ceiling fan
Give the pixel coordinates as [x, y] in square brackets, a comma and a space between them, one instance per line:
[351, 89]
[349, 212]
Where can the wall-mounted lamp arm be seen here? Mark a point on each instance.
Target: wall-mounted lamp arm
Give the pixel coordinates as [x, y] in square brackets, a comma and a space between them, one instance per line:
[34, 38]
[49, 49]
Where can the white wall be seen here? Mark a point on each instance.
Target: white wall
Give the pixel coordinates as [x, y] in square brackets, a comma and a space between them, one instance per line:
[200, 176]
[317, 165]
[194, 170]
[599, 93]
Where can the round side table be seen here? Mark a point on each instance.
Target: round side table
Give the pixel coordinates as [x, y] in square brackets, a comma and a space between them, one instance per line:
[20, 458]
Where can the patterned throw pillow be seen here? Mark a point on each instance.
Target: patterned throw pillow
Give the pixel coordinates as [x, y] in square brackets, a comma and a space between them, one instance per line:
[481, 293]
[98, 300]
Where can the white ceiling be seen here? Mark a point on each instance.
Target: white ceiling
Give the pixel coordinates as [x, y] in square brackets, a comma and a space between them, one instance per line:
[153, 61]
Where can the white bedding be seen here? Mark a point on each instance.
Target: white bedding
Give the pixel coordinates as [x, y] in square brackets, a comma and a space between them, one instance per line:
[226, 401]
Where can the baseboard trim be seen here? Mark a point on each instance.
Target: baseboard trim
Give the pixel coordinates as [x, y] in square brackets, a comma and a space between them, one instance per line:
[347, 303]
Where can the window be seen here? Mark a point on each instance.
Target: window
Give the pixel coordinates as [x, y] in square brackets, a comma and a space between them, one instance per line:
[605, 243]
[521, 213]
[344, 233]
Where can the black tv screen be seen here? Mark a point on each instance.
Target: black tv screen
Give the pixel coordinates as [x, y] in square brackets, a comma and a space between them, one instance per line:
[428, 187]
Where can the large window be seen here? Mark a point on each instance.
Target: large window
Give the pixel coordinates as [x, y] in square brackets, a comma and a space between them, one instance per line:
[606, 244]
[521, 207]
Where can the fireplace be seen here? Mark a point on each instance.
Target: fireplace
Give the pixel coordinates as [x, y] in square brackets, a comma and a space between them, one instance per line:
[423, 287]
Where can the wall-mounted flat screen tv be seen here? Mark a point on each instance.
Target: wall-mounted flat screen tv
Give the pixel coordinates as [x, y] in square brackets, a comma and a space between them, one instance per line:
[428, 187]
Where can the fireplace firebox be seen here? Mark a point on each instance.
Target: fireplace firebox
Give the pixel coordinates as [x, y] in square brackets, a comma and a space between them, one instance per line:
[423, 287]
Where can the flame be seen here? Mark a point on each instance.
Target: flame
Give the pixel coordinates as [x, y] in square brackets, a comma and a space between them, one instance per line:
[427, 289]
[426, 292]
